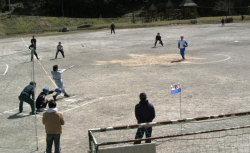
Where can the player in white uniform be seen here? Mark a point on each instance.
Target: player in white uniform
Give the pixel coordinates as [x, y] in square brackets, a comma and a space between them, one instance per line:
[56, 73]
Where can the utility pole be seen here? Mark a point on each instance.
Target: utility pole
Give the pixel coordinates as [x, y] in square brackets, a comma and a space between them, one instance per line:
[62, 9]
[9, 9]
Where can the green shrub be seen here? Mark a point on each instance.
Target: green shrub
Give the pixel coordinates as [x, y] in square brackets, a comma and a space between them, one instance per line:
[193, 21]
[229, 20]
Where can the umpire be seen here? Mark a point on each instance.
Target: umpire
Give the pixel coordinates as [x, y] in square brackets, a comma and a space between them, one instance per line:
[25, 97]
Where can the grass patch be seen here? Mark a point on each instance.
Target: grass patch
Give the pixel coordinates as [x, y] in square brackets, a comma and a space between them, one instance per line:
[44, 25]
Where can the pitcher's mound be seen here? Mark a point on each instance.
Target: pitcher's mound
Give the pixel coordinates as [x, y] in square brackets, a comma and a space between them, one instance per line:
[147, 59]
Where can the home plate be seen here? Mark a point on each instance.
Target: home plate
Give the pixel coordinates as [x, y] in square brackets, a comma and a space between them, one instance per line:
[236, 41]
[71, 100]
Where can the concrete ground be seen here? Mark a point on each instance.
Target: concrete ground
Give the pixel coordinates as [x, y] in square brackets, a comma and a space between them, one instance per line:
[111, 70]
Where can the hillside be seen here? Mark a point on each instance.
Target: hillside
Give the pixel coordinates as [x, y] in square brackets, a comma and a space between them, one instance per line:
[39, 24]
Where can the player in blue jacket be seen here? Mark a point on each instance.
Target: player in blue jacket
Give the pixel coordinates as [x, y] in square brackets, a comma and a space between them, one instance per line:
[182, 44]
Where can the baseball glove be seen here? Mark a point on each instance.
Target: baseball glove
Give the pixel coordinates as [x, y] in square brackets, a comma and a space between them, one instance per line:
[185, 45]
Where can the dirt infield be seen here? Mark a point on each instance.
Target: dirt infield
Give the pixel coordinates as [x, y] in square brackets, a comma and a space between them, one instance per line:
[111, 70]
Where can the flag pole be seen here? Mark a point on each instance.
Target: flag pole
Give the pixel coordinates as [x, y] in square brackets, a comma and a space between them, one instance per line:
[181, 129]
[180, 107]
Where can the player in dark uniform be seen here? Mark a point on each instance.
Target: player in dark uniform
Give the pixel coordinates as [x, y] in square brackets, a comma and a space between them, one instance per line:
[32, 47]
[158, 38]
[33, 40]
[25, 97]
[112, 28]
[41, 102]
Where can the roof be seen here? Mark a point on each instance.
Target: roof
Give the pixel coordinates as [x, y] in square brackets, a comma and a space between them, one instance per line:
[169, 4]
[152, 7]
[188, 3]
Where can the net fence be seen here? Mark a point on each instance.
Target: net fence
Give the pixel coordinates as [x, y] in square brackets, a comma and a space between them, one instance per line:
[218, 133]
[18, 130]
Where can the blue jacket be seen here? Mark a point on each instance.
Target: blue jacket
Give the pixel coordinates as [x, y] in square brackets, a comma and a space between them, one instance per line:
[144, 112]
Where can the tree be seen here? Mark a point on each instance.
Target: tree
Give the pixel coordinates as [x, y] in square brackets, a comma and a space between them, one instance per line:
[225, 6]
[2, 5]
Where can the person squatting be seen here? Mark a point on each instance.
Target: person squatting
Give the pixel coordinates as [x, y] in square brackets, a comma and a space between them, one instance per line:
[41, 101]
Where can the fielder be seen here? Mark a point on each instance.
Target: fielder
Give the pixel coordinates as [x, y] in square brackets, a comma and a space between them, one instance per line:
[181, 45]
[158, 38]
[56, 74]
[59, 49]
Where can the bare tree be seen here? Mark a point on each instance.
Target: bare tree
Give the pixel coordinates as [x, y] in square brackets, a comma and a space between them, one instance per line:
[224, 6]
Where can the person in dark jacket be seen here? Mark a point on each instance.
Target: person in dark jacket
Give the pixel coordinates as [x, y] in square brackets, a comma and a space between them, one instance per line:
[222, 22]
[32, 47]
[25, 96]
[144, 113]
[112, 28]
[41, 102]
[158, 38]
[33, 40]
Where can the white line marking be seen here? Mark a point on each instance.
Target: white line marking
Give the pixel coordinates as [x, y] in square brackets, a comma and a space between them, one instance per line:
[25, 42]
[228, 57]
[7, 67]
[42, 67]
[47, 74]
[92, 101]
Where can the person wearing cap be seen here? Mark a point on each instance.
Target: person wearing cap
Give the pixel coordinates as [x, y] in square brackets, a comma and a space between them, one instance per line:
[25, 95]
[53, 121]
[32, 47]
[59, 49]
[182, 44]
[144, 113]
[158, 38]
[41, 102]
[56, 74]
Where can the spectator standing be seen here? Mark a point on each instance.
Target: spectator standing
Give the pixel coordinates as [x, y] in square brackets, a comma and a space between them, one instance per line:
[53, 121]
[182, 44]
[144, 113]
[112, 27]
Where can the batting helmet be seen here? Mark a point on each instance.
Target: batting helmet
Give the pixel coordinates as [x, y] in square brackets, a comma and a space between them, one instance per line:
[45, 89]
